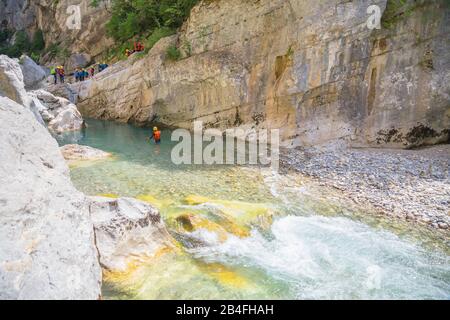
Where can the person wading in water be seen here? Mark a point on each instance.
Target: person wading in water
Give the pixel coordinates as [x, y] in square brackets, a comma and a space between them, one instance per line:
[156, 135]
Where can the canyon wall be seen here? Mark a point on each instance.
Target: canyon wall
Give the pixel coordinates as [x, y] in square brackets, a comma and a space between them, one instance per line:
[56, 20]
[313, 69]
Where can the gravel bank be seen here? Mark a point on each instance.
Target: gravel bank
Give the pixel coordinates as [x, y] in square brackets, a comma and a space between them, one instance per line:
[408, 184]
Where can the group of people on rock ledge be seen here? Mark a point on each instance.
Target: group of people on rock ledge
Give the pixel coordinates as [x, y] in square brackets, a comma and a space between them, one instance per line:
[58, 73]
[82, 74]
[138, 47]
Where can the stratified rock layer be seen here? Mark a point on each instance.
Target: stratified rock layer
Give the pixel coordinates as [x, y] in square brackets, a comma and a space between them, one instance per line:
[313, 69]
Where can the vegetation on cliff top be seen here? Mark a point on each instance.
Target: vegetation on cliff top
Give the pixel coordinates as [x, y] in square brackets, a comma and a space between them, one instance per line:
[150, 20]
[397, 10]
[21, 44]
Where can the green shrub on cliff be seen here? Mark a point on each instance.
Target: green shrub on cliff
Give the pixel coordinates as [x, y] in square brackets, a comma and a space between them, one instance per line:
[142, 17]
[38, 43]
[22, 44]
[173, 53]
[156, 35]
[397, 10]
[5, 34]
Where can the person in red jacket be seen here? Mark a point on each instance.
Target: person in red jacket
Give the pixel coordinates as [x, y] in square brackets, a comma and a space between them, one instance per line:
[156, 135]
[138, 47]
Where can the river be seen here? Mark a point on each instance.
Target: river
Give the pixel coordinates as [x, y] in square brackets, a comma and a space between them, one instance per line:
[254, 234]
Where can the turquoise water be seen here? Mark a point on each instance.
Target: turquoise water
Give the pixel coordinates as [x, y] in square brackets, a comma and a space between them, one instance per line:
[256, 234]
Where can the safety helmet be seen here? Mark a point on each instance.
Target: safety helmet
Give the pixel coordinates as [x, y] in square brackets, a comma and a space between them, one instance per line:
[155, 129]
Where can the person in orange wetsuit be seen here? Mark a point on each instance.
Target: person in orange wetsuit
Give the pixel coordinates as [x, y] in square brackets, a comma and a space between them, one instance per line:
[156, 136]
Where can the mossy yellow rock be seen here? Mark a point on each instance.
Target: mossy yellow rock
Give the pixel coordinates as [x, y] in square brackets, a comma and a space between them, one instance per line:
[135, 263]
[224, 275]
[190, 222]
[238, 213]
[193, 200]
[109, 195]
[158, 203]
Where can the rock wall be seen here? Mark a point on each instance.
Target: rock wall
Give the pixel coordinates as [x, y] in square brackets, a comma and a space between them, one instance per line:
[47, 240]
[89, 41]
[18, 14]
[313, 69]
[33, 74]
[55, 19]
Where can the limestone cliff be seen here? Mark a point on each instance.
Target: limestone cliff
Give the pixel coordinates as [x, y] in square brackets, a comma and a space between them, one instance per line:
[311, 68]
[47, 240]
[89, 40]
[78, 43]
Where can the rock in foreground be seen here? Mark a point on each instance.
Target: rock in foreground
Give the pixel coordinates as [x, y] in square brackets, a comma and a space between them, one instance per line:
[60, 113]
[126, 229]
[47, 242]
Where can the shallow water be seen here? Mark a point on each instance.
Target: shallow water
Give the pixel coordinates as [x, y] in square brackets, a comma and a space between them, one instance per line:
[256, 235]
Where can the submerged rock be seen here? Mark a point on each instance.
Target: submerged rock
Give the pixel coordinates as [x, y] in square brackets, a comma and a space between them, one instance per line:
[79, 152]
[47, 247]
[127, 229]
[236, 213]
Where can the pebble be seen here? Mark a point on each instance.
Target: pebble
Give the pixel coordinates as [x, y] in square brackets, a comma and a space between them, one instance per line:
[442, 225]
[399, 181]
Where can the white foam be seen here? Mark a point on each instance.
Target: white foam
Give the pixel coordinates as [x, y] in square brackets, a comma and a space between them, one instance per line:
[323, 257]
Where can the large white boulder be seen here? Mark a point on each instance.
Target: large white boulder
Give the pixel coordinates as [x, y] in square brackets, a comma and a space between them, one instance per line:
[11, 81]
[47, 243]
[33, 74]
[69, 119]
[60, 113]
[125, 229]
[12, 85]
